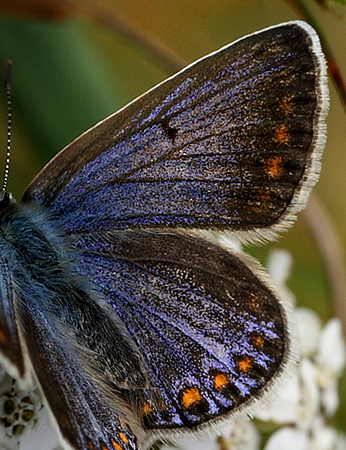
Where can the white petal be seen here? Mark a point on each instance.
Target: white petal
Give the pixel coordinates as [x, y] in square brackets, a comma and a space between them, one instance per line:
[326, 438]
[310, 394]
[42, 436]
[309, 326]
[279, 267]
[332, 353]
[244, 436]
[340, 443]
[7, 443]
[187, 442]
[285, 408]
[288, 439]
[330, 397]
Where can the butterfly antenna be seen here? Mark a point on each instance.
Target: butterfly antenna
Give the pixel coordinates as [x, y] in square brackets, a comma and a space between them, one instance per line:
[9, 122]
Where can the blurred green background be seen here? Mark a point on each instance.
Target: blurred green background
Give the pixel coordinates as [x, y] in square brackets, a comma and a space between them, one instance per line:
[71, 70]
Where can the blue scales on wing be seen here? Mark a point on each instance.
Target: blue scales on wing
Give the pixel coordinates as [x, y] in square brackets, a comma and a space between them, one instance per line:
[229, 142]
[67, 337]
[212, 335]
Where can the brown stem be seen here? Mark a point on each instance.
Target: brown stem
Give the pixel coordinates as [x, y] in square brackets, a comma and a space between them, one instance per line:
[104, 14]
[330, 247]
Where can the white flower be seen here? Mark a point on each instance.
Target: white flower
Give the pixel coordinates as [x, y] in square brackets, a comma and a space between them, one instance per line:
[309, 326]
[279, 267]
[24, 421]
[285, 408]
[42, 436]
[311, 397]
[187, 442]
[288, 438]
[314, 387]
[330, 360]
[320, 437]
[243, 436]
[324, 437]
[309, 406]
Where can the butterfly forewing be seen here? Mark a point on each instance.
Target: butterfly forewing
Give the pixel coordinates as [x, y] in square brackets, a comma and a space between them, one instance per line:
[230, 142]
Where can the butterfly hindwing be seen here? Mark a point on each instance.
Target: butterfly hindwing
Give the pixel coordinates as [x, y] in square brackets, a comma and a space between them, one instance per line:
[213, 335]
[84, 416]
[233, 141]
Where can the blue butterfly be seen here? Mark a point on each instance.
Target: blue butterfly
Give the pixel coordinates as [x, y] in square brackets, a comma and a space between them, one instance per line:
[133, 320]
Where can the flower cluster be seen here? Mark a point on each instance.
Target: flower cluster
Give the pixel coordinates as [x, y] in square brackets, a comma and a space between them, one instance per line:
[310, 399]
[24, 421]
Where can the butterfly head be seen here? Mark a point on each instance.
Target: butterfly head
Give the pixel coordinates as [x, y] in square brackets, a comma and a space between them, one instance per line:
[6, 200]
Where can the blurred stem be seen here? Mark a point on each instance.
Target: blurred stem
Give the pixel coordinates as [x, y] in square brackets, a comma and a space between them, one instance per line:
[330, 247]
[106, 15]
[169, 60]
[334, 70]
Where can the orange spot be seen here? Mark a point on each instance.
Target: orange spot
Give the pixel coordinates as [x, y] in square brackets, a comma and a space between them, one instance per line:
[258, 342]
[261, 198]
[104, 447]
[122, 423]
[90, 445]
[3, 337]
[282, 136]
[254, 305]
[221, 380]
[286, 105]
[253, 302]
[146, 409]
[162, 405]
[245, 363]
[66, 421]
[116, 445]
[260, 201]
[274, 167]
[190, 396]
[123, 438]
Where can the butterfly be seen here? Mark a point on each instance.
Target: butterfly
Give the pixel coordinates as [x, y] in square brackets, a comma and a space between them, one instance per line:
[116, 293]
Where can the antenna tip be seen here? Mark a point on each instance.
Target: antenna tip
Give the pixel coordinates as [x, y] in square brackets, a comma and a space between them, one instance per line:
[8, 68]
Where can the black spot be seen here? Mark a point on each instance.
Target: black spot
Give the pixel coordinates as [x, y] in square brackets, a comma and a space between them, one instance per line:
[170, 132]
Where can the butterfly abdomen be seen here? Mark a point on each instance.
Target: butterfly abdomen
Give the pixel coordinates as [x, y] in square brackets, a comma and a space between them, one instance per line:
[41, 265]
[52, 304]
